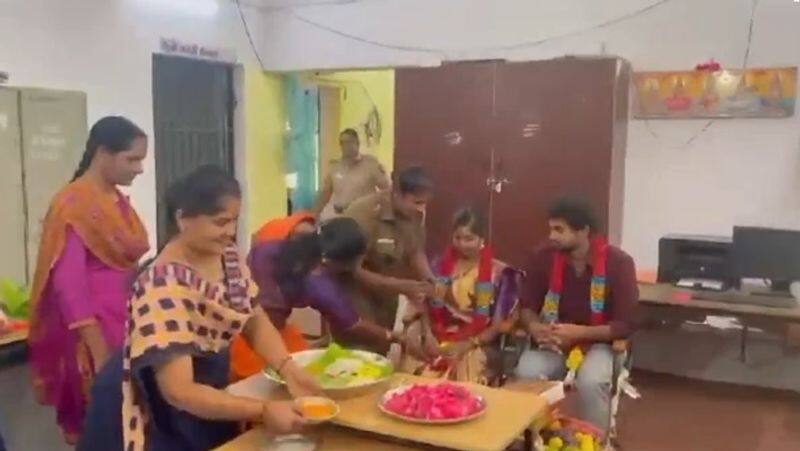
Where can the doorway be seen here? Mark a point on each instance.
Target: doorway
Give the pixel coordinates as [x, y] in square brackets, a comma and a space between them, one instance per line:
[193, 106]
[329, 128]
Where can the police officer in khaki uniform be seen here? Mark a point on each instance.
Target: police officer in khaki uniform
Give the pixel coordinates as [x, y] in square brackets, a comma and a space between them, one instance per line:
[354, 176]
[395, 262]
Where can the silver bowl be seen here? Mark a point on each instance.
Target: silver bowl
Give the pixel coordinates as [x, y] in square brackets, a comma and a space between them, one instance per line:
[304, 358]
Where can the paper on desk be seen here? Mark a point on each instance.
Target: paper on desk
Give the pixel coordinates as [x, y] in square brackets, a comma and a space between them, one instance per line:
[708, 284]
[723, 322]
[554, 394]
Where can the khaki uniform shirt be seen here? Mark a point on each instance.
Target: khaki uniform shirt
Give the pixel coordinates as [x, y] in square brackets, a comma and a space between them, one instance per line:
[350, 182]
[392, 242]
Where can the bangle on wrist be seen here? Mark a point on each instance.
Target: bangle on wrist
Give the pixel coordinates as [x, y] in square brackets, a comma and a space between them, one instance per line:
[392, 337]
[263, 411]
[476, 342]
[282, 365]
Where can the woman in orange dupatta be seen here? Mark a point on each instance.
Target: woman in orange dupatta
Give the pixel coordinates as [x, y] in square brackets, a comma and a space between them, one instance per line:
[91, 244]
[244, 361]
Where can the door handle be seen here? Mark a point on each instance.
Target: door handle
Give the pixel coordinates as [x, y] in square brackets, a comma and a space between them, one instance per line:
[496, 184]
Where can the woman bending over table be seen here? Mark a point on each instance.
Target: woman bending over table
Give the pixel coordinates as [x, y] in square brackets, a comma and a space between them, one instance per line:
[312, 271]
[244, 361]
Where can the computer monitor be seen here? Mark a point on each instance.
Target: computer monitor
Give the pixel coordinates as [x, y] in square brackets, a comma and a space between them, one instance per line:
[763, 253]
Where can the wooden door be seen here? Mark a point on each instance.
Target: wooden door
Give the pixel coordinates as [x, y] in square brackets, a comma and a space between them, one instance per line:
[535, 130]
[555, 137]
[444, 123]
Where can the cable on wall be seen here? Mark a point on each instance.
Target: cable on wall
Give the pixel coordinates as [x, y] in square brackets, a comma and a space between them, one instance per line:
[745, 62]
[520, 45]
[247, 32]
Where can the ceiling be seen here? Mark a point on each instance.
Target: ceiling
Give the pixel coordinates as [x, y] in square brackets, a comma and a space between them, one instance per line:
[279, 4]
[294, 3]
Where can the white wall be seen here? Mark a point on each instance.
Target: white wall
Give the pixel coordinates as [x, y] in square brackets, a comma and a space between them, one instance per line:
[737, 172]
[105, 47]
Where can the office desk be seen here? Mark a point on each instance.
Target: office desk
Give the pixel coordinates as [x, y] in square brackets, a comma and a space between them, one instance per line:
[667, 301]
[671, 297]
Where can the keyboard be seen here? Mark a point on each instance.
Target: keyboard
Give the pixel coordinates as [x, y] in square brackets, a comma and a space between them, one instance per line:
[740, 297]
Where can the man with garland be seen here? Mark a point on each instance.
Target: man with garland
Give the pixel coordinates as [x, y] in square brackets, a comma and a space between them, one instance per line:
[579, 296]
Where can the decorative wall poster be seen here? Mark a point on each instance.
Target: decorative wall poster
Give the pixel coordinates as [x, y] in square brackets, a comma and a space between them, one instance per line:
[723, 93]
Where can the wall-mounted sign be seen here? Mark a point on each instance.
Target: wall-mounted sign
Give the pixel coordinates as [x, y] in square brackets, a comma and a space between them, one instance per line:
[171, 46]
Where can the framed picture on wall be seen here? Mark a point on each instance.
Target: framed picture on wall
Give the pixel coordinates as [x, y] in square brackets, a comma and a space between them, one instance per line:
[762, 92]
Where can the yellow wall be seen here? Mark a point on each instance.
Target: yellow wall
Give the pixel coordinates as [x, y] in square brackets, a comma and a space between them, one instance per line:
[265, 123]
[359, 90]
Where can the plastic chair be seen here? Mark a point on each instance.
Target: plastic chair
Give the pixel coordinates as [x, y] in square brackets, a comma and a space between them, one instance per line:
[620, 384]
[514, 343]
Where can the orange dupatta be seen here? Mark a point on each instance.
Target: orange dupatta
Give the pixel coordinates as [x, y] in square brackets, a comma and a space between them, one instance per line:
[117, 240]
[280, 229]
[244, 361]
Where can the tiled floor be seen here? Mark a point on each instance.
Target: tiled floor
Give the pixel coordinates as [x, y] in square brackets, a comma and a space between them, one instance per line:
[25, 425]
[688, 415]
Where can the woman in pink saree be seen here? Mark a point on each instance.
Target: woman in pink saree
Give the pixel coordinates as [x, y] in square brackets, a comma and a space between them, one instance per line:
[91, 243]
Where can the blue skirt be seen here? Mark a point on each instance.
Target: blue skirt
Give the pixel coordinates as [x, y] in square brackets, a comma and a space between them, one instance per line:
[169, 429]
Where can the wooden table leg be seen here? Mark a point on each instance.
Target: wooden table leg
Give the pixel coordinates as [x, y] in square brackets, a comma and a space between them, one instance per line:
[528, 439]
[743, 346]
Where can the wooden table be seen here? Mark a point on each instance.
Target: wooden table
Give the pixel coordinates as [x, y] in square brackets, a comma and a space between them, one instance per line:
[13, 337]
[670, 302]
[328, 438]
[509, 414]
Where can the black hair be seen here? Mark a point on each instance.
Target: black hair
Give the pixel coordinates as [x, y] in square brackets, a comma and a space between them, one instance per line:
[114, 133]
[199, 193]
[339, 240]
[576, 212]
[414, 180]
[351, 132]
[470, 218]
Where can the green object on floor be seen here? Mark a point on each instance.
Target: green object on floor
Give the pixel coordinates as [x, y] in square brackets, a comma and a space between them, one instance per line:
[16, 298]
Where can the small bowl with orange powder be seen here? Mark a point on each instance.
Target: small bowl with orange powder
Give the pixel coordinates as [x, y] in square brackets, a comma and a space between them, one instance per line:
[317, 409]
